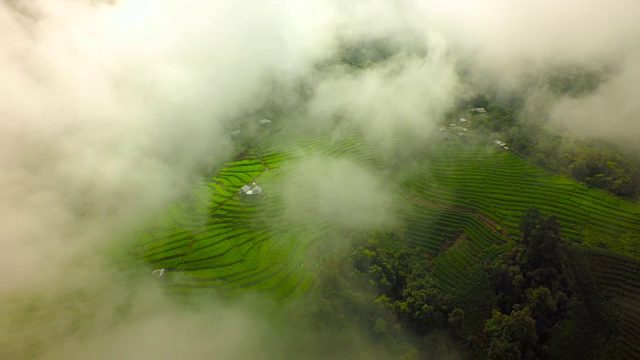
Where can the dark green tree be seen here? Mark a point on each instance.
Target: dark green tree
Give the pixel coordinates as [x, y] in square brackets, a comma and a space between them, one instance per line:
[513, 336]
[541, 236]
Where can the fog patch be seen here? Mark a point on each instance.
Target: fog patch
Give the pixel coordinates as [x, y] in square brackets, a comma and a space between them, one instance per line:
[407, 92]
[171, 331]
[610, 113]
[340, 191]
[113, 109]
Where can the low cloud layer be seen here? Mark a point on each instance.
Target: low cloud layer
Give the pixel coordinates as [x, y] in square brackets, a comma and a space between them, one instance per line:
[110, 113]
[506, 44]
[405, 93]
[339, 191]
[611, 112]
[111, 110]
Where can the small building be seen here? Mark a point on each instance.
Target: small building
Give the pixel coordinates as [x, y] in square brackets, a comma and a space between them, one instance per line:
[505, 147]
[452, 125]
[250, 189]
[159, 272]
[478, 110]
[441, 129]
[235, 132]
[462, 120]
[265, 121]
[497, 142]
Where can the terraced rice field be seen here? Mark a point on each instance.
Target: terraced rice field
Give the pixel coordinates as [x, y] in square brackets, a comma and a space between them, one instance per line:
[218, 241]
[461, 200]
[618, 278]
[492, 188]
[500, 186]
[457, 237]
[228, 242]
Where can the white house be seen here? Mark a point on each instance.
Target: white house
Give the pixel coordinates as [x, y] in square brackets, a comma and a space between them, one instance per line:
[250, 189]
[159, 272]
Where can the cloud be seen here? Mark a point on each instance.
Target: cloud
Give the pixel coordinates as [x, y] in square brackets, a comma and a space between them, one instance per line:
[503, 37]
[610, 113]
[111, 111]
[340, 191]
[505, 44]
[167, 331]
[405, 93]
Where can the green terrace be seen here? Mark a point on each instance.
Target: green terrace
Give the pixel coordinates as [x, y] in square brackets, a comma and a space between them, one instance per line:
[460, 201]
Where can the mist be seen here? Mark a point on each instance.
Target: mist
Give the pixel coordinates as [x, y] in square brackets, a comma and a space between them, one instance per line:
[112, 110]
[339, 191]
[505, 45]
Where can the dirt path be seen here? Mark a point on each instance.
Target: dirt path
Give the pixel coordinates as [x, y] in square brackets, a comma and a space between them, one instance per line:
[492, 224]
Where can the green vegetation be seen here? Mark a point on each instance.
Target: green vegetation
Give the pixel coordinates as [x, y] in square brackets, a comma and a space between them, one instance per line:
[223, 241]
[219, 241]
[535, 299]
[382, 288]
[598, 165]
[460, 258]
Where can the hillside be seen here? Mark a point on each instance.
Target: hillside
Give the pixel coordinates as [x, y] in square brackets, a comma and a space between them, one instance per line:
[453, 203]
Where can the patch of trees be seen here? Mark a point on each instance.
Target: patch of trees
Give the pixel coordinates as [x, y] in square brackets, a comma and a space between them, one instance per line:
[532, 289]
[573, 81]
[533, 298]
[367, 52]
[383, 289]
[603, 170]
[546, 305]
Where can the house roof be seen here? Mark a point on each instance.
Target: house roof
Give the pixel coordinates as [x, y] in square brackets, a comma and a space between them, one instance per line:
[159, 272]
[250, 189]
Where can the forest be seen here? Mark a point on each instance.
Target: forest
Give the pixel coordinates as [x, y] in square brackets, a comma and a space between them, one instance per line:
[533, 298]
